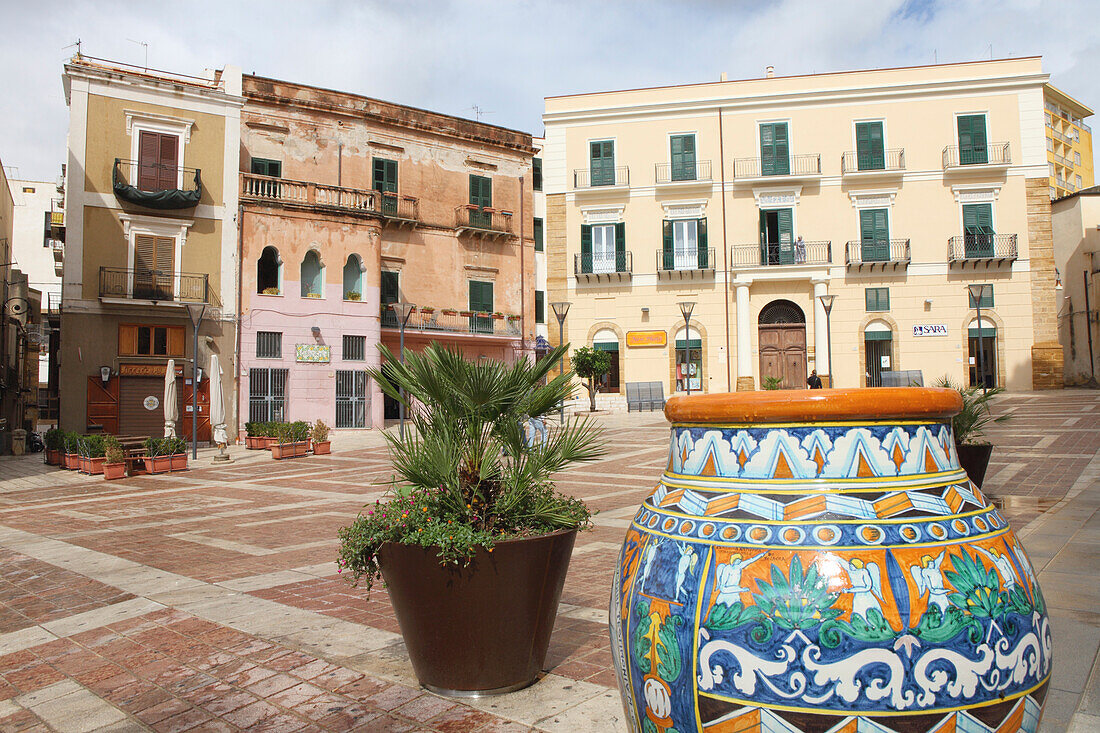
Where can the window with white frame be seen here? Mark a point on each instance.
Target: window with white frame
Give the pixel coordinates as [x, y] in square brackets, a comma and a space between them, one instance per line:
[157, 144]
[155, 248]
[603, 248]
[685, 243]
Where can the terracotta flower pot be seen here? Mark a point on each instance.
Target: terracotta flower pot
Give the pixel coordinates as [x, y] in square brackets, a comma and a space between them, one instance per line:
[269, 441]
[484, 628]
[280, 451]
[178, 462]
[71, 461]
[818, 560]
[158, 464]
[323, 448]
[94, 466]
[112, 471]
[53, 457]
[255, 442]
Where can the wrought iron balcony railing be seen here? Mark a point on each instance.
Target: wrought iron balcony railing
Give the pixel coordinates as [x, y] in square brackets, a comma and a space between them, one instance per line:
[684, 259]
[615, 263]
[304, 193]
[770, 254]
[878, 252]
[865, 162]
[156, 285]
[156, 186]
[596, 177]
[669, 173]
[454, 320]
[793, 165]
[971, 247]
[482, 221]
[957, 156]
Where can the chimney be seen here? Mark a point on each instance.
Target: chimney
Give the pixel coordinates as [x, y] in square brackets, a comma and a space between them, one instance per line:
[723, 77]
[769, 72]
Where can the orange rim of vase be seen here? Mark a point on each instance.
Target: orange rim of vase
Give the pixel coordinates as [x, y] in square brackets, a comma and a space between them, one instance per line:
[816, 405]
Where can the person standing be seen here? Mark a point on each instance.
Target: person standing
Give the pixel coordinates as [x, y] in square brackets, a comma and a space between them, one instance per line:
[814, 381]
[799, 251]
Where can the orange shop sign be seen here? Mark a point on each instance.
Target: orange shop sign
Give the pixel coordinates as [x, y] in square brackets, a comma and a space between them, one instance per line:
[646, 338]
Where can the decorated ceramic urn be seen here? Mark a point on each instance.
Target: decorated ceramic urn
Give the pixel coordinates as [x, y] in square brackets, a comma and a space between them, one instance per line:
[817, 561]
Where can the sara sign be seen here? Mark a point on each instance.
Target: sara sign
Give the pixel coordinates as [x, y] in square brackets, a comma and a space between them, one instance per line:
[646, 338]
[930, 329]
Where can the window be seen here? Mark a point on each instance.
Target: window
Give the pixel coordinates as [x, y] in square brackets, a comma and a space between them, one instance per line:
[978, 230]
[870, 154]
[269, 345]
[685, 244]
[1076, 135]
[1050, 145]
[28, 189]
[1048, 119]
[353, 278]
[390, 293]
[1053, 192]
[603, 247]
[973, 149]
[689, 364]
[775, 159]
[1077, 181]
[539, 245]
[154, 267]
[136, 340]
[268, 268]
[1077, 159]
[351, 399]
[878, 299]
[481, 301]
[601, 156]
[874, 234]
[384, 180]
[481, 196]
[987, 297]
[540, 306]
[267, 167]
[355, 348]
[683, 157]
[267, 395]
[536, 173]
[158, 156]
[1050, 166]
[313, 275]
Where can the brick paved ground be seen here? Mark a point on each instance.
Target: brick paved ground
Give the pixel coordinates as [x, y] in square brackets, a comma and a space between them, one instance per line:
[209, 600]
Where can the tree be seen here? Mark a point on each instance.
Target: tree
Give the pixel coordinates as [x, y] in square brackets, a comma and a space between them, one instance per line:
[591, 364]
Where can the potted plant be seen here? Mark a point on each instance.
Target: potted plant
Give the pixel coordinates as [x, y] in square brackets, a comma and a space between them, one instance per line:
[55, 444]
[449, 312]
[352, 295]
[271, 291]
[165, 454]
[313, 295]
[254, 438]
[114, 464]
[498, 316]
[271, 434]
[292, 440]
[71, 459]
[474, 541]
[176, 448]
[93, 454]
[969, 426]
[322, 446]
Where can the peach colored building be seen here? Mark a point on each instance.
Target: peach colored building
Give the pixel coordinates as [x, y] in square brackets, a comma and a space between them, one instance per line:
[349, 204]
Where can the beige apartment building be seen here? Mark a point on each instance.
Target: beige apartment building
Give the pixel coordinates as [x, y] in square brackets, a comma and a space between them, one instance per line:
[890, 190]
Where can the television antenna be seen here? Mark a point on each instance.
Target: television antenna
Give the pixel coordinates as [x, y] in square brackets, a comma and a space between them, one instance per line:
[144, 45]
[77, 45]
[479, 111]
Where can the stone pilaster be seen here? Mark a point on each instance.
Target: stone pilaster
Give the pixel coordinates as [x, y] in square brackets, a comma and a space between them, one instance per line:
[1047, 366]
[557, 271]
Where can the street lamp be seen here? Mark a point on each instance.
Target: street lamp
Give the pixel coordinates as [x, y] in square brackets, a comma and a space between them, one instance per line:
[686, 307]
[561, 309]
[977, 292]
[195, 312]
[827, 304]
[402, 310]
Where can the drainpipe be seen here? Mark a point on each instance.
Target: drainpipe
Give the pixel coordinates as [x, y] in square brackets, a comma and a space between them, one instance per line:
[1088, 326]
[522, 270]
[240, 283]
[725, 252]
[340, 164]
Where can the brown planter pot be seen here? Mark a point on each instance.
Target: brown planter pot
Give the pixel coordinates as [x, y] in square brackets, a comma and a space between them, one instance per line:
[94, 466]
[71, 461]
[158, 464]
[53, 458]
[112, 471]
[323, 448]
[289, 450]
[268, 442]
[255, 442]
[484, 628]
[974, 458]
[178, 462]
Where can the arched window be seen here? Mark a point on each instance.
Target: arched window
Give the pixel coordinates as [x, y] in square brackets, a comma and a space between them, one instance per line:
[353, 278]
[606, 340]
[269, 272]
[689, 360]
[313, 275]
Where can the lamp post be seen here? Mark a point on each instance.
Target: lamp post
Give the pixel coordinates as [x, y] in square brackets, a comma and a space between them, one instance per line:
[195, 312]
[402, 310]
[977, 292]
[686, 307]
[561, 309]
[827, 304]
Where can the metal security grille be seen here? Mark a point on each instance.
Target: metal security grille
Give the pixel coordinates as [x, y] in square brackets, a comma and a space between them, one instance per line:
[351, 399]
[269, 344]
[355, 348]
[267, 395]
[782, 311]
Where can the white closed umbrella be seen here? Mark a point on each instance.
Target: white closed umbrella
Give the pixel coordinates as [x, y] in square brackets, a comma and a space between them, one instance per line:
[217, 403]
[171, 402]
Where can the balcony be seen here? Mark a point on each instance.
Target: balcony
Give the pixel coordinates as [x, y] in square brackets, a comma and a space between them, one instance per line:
[400, 210]
[890, 161]
[795, 166]
[682, 175]
[993, 155]
[685, 262]
[984, 248]
[1061, 136]
[591, 267]
[885, 252]
[55, 224]
[156, 186]
[53, 304]
[602, 178]
[447, 320]
[483, 222]
[58, 249]
[118, 283]
[304, 194]
[779, 254]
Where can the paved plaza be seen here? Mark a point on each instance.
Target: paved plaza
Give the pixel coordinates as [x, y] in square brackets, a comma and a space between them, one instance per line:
[209, 600]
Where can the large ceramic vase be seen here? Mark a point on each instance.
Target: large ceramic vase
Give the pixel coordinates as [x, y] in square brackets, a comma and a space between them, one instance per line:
[817, 561]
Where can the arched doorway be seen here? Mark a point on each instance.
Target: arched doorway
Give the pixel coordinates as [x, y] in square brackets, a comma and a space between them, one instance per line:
[877, 342]
[782, 329]
[982, 358]
[606, 340]
[689, 360]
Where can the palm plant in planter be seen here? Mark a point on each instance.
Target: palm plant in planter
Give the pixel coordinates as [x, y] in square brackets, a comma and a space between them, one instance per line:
[474, 542]
[969, 426]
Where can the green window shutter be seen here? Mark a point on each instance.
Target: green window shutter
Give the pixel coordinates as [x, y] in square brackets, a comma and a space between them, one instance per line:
[978, 230]
[390, 287]
[539, 234]
[481, 296]
[620, 247]
[877, 336]
[786, 236]
[987, 297]
[774, 149]
[703, 254]
[602, 168]
[870, 154]
[586, 248]
[540, 306]
[692, 344]
[667, 255]
[384, 179]
[972, 140]
[874, 234]
[481, 191]
[266, 167]
[878, 299]
[683, 157]
[606, 346]
[536, 173]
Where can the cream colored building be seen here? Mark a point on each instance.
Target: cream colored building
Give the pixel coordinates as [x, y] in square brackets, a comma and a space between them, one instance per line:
[1076, 220]
[1069, 142]
[904, 186]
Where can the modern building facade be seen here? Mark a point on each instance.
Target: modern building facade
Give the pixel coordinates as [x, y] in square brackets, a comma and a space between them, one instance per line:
[151, 243]
[1069, 142]
[351, 206]
[892, 190]
[1076, 226]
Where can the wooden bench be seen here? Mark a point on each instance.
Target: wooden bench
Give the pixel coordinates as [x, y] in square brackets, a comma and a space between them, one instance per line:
[645, 396]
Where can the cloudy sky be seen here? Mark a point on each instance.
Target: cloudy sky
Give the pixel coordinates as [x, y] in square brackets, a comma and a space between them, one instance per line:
[504, 56]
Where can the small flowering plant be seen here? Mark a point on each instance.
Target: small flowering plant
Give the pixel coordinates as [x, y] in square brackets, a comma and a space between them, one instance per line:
[467, 477]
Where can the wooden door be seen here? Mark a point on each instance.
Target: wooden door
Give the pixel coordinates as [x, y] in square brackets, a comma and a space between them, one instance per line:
[102, 404]
[154, 267]
[157, 162]
[783, 354]
[184, 427]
